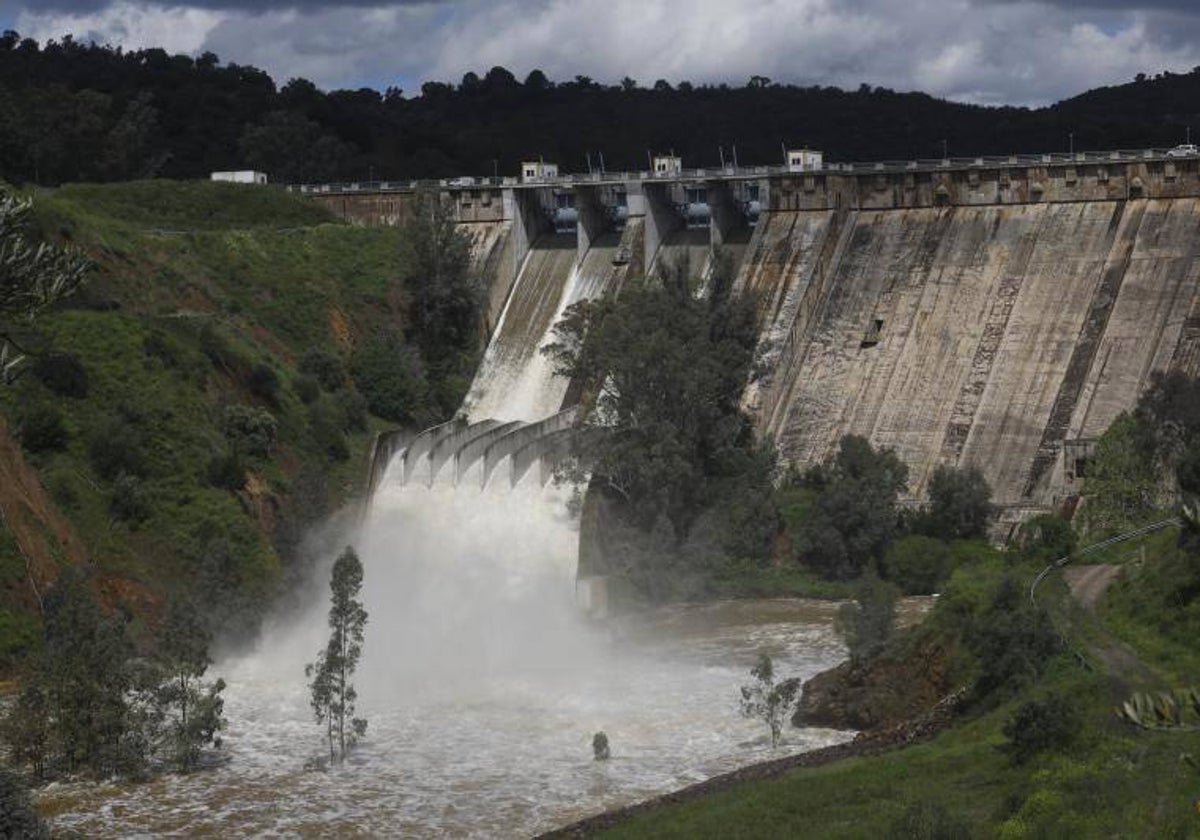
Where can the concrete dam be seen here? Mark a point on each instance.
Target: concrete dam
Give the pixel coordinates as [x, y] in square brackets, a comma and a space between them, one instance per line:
[995, 312]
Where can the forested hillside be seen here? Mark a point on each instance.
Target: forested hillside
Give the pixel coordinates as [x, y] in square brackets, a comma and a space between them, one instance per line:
[71, 111]
[208, 395]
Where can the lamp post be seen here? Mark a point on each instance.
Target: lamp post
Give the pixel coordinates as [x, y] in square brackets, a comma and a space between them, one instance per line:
[1071, 142]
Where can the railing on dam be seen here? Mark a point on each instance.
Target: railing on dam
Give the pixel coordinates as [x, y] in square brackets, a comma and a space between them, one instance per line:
[743, 173]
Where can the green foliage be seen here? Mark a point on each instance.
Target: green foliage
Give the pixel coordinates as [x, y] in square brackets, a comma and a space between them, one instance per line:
[867, 622]
[1012, 640]
[1170, 710]
[332, 695]
[192, 707]
[226, 471]
[115, 447]
[324, 367]
[1047, 723]
[664, 372]
[307, 388]
[42, 428]
[929, 820]
[62, 373]
[19, 636]
[445, 298]
[1122, 481]
[391, 376]
[917, 564]
[853, 519]
[768, 700]
[250, 431]
[960, 505]
[127, 502]
[327, 421]
[263, 383]
[1045, 538]
[18, 818]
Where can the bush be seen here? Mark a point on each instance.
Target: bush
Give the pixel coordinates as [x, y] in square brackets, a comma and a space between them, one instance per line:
[226, 472]
[263, 382]
[924, 820]
[960, 505]
[159, 345]
[307, 388]
[62, 373]
[918, 565]
[251, 431]
[18, 818]
[41, 428]
[128, 502]
[390, 376]
[325, 420]
[1012, 640]
[114, 448]
[1050, 723]
[866, 623]
[1046, 538]
[354, 406]
[325, 367]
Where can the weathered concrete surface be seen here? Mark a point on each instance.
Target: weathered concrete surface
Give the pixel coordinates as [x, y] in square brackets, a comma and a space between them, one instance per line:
[1005, 329]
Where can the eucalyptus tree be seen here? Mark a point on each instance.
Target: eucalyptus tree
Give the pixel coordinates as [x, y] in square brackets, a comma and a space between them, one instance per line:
[33, 276]
[331, 693]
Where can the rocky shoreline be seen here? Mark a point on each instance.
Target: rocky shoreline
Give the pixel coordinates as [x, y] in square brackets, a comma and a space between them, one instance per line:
[920, 728]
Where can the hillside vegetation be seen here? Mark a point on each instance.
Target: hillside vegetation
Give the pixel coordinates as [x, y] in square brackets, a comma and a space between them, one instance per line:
[194, 409]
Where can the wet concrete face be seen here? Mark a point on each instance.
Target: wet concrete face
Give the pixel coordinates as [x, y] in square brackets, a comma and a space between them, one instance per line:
[1005, 330]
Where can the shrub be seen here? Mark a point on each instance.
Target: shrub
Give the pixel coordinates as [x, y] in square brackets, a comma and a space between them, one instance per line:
[128, 502]
[1049, 723]
[866, 623]
[918, 565]
[354, 405]
[1045, 538]
[263, 382]
[307, 388]
[390, 376]
[220, 352]
[960, 505]
[159, 345]
[323, 366]
[18, 818]
[925, 820]
[62, 373]
[114, 448]
[326, 420]
[251, 431]
[41, 428]
[1012, 640]
[226, 472]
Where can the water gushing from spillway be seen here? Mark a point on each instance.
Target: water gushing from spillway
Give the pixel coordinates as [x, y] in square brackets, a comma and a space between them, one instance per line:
[482, 682]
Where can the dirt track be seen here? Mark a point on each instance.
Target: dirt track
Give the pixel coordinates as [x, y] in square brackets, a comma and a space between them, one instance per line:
[1087, 583]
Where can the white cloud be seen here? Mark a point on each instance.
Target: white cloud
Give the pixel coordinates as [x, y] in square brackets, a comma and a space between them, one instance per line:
[133, 25]
[1021, 52]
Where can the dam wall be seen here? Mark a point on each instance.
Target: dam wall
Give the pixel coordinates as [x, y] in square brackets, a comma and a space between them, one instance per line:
[990, 335]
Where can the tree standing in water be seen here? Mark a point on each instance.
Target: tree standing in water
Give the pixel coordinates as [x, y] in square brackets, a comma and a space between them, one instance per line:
[332, 695]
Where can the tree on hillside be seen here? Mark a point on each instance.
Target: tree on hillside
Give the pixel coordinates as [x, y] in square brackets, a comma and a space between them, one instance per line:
[33, 276]
[853, 519]
[332, 695]
[866, 623]
[445, 296]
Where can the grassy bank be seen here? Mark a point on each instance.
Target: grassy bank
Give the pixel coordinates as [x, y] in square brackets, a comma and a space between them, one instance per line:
[171, 409]
[1112, 780]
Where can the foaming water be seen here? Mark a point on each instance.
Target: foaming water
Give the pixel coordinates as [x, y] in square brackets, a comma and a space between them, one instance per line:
[483, 686]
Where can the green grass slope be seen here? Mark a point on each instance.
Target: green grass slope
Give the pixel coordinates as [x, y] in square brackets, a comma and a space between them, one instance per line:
[204, 299]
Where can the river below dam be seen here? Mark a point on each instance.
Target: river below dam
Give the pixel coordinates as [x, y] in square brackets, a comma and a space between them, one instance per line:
[483, 685]
[509, 760]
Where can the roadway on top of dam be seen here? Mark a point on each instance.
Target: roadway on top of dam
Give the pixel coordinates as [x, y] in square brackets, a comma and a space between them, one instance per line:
[747, 173]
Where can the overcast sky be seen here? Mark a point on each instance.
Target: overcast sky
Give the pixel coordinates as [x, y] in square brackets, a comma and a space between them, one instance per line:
[987, 51]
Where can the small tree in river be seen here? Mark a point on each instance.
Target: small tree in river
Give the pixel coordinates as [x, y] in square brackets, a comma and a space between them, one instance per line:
[331, 693]
[193, 707]
[767, 700]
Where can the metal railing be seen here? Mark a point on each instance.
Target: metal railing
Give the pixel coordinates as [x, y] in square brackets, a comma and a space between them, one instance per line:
[744, 172]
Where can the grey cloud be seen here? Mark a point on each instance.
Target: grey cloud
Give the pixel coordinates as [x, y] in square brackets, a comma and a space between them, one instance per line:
[251, 7]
